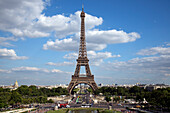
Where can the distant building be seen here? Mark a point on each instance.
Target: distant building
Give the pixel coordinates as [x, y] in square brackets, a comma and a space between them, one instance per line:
[156, 86]
[15, 86]
[11, 87]
[148, 87]
[143, 86]
[126, 85]
[53, 86]
[151, 87]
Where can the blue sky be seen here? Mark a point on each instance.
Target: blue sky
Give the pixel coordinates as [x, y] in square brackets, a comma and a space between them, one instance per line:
[127, 41]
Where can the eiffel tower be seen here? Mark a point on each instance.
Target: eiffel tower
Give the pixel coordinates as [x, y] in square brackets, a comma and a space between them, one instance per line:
[82, 60]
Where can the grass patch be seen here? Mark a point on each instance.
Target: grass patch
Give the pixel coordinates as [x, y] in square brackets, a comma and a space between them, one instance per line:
[59, 111]
[100, 110]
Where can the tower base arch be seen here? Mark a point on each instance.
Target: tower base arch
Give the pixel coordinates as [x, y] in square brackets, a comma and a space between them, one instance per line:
[79, 80]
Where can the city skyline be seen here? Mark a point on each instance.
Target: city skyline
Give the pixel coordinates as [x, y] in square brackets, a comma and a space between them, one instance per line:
[127, 41]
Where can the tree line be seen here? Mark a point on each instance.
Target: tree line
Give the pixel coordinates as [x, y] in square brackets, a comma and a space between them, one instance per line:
[158, 97]
[28, 94]
[31, 94]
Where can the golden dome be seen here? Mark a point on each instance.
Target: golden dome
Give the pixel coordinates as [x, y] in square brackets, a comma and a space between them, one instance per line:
[16, 84]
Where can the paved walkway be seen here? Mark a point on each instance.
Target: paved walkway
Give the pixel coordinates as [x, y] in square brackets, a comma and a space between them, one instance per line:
[19, 110]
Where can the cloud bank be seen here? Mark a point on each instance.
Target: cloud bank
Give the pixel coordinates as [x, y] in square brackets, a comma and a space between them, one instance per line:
[32, 70]
[158, 64]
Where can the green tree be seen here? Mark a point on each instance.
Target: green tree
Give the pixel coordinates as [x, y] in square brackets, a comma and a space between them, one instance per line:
[50, 101]
[120, 91]
[42, 99]
[23, 90]
[75, 90]
[15, 98]
[116, 99]
[96, 92]
[135, 89]
[139, 97]
[90, 90]
[108, 98]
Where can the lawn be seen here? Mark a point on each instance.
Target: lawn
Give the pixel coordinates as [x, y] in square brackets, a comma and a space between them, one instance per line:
[100, 110]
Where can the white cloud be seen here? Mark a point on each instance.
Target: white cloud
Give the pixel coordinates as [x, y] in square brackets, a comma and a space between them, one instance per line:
[10, 54]
[56, 71]
[25, 19]
[95, 58]
[158, 65]
[95, 47]
[4, 41]
[155, 51]
[34, 75]
[64, 26]
[32, 70]
[100, 55]
[28, 33]
[4, 71]
[60, 64]
[71, 56]
[70, 45]
[26, 69]
[110, 36]
[61, 45]
[18, 16]
[96, 40]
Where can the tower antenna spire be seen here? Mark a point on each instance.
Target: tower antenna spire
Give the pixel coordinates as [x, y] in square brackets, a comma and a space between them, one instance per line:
[82, 7]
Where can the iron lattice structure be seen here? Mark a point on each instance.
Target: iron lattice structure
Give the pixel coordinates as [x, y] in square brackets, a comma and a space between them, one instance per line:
[82, 60]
